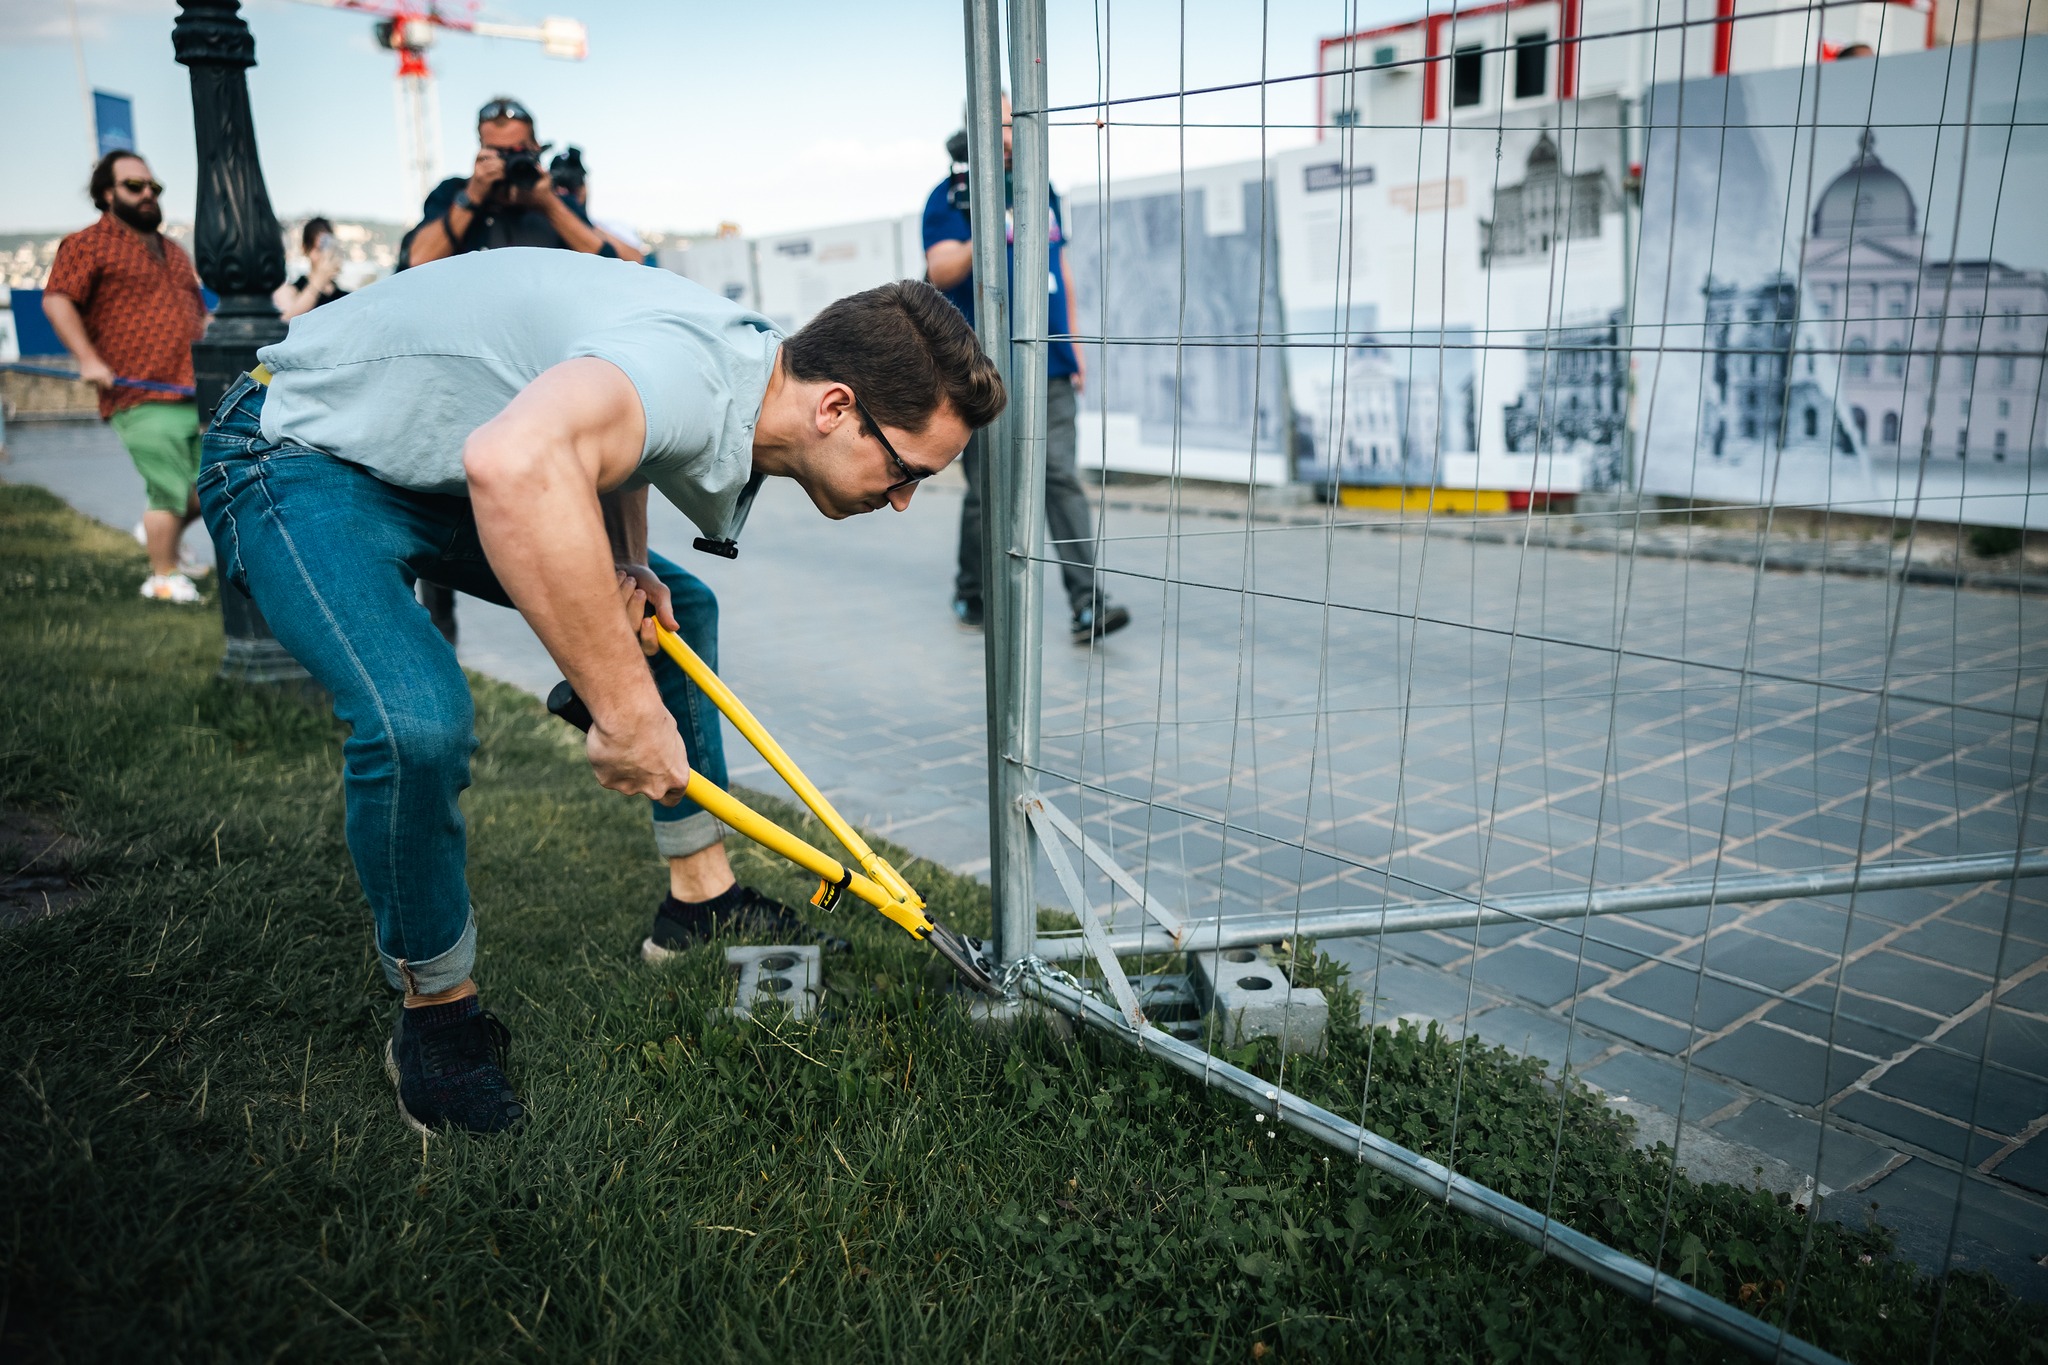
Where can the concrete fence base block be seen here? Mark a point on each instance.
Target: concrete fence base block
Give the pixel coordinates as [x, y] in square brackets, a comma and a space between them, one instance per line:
[1171, 1004]
[777, 977]
[1245, 990]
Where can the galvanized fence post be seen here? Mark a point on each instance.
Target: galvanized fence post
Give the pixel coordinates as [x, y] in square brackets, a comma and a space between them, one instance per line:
[1012, 455]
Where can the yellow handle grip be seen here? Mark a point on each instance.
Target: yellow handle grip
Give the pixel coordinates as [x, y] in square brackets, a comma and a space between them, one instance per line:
[742, 817]
[743, 720]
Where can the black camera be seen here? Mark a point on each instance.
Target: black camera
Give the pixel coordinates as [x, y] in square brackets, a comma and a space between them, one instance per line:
[956, 184]
[522, 166]
[567, 170]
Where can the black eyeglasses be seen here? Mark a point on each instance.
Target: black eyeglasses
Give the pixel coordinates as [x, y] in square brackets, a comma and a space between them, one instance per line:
[138, 186]
[911, 476]
[498, 110]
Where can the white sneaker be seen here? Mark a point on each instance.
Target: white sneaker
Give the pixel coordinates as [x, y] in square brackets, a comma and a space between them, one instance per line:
[170, 587]
[187, 565]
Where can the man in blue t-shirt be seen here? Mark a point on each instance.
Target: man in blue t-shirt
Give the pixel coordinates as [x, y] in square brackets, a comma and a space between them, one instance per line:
[949, 265]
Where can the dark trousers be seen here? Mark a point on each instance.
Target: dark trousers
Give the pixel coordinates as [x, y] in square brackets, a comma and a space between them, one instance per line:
[1069, 525]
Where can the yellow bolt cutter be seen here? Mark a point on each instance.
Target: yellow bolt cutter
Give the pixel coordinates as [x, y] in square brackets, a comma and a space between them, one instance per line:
[882, 886]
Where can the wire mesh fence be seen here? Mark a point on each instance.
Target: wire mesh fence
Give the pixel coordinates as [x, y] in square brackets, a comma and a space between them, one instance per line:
[1579, 324]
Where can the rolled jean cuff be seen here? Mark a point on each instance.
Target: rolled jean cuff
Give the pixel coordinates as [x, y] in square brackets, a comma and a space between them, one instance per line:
[691, 834]
[444, 971]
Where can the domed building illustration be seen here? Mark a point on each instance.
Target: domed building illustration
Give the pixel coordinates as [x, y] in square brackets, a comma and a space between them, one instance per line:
[1880, 317]
[1763, 399]
[1545, 207]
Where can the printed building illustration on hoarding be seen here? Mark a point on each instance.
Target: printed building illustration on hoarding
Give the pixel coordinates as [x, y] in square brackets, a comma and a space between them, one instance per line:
[1890, 316]
[1573, 401]
[1752, 406]
[1576, 399]
[1545, 207]
[1856, 313]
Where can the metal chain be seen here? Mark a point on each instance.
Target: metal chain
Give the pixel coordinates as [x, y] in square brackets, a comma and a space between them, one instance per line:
[1033, 965]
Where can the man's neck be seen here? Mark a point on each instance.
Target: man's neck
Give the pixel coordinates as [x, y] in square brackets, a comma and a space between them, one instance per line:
[778, 429]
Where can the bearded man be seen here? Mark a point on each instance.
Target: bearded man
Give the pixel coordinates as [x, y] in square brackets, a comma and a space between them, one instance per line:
[125, 301]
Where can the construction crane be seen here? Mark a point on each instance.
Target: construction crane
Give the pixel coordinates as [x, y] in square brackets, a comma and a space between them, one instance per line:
[408, 27]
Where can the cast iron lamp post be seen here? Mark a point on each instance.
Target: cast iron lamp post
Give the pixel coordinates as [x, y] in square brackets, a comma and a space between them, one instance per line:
[240, 255]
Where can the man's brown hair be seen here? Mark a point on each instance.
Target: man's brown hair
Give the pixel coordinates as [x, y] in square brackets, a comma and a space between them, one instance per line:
[101, 186]
[903, 350]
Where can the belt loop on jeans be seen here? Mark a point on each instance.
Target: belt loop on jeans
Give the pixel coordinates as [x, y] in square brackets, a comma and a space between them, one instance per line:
[261, 374]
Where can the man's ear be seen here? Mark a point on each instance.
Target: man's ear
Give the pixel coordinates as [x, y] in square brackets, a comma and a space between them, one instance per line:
[835, 405]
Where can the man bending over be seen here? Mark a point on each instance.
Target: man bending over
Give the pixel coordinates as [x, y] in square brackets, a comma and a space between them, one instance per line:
[491, 423]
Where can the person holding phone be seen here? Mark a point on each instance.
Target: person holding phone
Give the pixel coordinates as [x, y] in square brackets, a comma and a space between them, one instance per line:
[323, 266]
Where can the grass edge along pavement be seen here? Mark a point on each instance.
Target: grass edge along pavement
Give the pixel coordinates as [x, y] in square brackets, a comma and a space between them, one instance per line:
[199, 1157]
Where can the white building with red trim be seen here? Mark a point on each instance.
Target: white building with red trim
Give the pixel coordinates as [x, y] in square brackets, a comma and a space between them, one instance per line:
[1480, 61]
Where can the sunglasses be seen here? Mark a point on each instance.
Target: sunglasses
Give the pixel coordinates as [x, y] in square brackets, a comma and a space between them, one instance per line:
[911, 477]
[498, 110]
[138, 186]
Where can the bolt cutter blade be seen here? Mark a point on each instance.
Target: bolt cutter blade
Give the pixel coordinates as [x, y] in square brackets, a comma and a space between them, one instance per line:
[966, 959]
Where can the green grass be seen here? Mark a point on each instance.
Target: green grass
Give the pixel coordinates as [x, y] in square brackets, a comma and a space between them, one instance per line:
[199, 1157]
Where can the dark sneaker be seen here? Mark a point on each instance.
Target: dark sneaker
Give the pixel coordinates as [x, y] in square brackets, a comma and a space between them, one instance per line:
[1092, 623]
[448, 1063]
[967, 611]
[741, 913]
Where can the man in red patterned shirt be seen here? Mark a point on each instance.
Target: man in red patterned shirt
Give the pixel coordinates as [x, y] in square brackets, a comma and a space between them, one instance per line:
[125, 302]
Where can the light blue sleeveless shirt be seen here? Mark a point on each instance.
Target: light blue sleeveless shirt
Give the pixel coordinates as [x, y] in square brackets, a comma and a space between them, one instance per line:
[397, 375]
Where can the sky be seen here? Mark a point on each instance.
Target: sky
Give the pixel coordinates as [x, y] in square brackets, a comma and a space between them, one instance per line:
[776, 116]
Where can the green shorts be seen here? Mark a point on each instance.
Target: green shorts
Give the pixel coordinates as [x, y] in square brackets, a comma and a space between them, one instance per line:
[163, 440]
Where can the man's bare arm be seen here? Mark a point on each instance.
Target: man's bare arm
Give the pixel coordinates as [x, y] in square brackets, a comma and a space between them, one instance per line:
[576, 234]
[535, 473]
[70, 329]
[432, 242]
[948, 263]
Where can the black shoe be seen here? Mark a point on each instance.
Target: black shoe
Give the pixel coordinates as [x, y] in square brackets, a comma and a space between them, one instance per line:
[967, 611]
[1092, 623]
[448, 1063]
[741, 913]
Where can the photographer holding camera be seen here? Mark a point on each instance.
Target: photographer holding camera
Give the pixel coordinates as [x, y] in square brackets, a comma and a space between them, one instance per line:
[508, 199]
[1069, 524]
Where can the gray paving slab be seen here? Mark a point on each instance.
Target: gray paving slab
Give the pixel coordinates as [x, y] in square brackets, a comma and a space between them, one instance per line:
[2018, 1041]
[1931, 1132]
[1701, 1003]
[1839, 1159]
[1956, 1088]
[1814, 924]
[2027, 1167]
[1639, 1026]
[1851, 1028]
[1533, 1035]
[1776, 966]
[1971, 949]
[1401, 988]
[1892, 976]
[1996, 1229]
[1666, 1085]
[1533, 974]
[1777, 1063]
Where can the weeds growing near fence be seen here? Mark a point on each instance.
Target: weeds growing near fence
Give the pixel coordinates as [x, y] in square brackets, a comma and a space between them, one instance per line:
[200, 1157]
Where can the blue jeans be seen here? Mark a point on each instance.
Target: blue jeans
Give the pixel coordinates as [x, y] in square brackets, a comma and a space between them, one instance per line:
[331, 554]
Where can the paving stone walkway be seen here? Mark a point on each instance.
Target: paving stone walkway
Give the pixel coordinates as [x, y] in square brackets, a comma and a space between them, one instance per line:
[1303, 716]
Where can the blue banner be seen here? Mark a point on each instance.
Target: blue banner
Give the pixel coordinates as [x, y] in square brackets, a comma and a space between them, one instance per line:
[113, 118]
